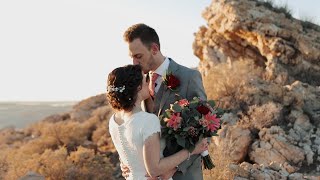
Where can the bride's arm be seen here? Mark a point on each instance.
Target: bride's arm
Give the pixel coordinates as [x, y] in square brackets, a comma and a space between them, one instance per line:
[156, 166]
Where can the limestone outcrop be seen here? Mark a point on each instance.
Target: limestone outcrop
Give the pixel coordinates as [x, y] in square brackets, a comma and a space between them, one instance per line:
[264, 65]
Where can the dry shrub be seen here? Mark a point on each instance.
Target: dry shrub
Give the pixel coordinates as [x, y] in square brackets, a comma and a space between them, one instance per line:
[103, 113]
[263, 116]
[45, 147]
[221, 162]
[3, 163]
[10, 136]
[57, 164]
[225, 80]
[19, 164]
[49, 163]
[102, 138]
[89, 166]
[39, 145]
[54, 163]
[45, 135]
[65, 132]
[99, 133]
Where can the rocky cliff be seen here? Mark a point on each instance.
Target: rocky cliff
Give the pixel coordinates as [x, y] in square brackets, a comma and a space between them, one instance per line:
[263, 65]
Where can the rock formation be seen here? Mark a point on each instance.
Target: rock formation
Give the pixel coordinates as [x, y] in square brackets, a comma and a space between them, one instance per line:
[272, 130]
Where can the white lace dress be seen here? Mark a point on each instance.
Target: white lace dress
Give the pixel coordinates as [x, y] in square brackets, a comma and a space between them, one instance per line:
[129, 138]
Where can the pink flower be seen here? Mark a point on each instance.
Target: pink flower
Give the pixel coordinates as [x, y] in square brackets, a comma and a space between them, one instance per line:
[214, 122]
[174, 121]
[211, 122]
[183, 102]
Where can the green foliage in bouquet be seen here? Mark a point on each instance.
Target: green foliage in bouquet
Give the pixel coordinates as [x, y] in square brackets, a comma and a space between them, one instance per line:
[186, 122]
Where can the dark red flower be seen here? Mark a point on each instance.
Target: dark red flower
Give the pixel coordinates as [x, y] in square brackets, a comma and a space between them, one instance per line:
[203, 109]
[172, 81]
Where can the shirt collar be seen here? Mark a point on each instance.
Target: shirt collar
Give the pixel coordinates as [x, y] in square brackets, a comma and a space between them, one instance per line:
[162, 69]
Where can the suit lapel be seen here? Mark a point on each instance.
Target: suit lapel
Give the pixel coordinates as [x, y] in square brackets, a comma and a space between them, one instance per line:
[158, 98]
[164, 92]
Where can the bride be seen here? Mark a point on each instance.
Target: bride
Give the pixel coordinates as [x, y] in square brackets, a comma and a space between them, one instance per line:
[135, 133]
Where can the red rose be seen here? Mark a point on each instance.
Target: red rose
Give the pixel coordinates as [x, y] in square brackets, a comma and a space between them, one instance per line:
[203, 110]
[173, 82]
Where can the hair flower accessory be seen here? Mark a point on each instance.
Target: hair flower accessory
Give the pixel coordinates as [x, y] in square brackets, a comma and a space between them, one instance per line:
[115, 89]
[171, 81]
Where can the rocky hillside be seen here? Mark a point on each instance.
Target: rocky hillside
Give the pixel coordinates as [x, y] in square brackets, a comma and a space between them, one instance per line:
[73, 145]
[264, 67]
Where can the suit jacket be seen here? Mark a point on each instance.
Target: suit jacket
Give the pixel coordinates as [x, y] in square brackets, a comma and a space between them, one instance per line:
[190, 86]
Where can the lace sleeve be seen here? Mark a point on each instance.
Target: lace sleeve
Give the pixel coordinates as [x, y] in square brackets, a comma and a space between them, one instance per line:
[151, 126]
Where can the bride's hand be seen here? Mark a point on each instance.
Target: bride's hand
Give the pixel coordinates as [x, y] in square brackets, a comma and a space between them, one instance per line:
[164, 176]
[125, 170]
[201, 146]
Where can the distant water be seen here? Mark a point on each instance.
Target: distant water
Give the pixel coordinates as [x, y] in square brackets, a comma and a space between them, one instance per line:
[21, 114]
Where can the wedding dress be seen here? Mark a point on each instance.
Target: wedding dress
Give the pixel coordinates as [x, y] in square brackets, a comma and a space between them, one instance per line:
[129, 139]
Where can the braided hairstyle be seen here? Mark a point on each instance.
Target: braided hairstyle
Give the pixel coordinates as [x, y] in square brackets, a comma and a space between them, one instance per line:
[130, 77]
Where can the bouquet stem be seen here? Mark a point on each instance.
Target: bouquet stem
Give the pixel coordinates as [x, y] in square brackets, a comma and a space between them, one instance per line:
[206, 159]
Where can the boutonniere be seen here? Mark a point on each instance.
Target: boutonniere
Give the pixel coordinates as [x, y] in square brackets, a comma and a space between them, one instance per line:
[171, 81]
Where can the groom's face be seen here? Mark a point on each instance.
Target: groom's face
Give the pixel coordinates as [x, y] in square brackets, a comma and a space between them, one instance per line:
[141, 54]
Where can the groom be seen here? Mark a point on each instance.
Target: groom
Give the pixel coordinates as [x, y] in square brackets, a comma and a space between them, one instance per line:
[144, 48]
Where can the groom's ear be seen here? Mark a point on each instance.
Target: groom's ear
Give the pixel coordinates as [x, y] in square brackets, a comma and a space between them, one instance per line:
[154, 48]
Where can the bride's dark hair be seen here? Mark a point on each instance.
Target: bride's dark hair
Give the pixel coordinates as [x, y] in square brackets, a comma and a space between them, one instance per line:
[122, 86]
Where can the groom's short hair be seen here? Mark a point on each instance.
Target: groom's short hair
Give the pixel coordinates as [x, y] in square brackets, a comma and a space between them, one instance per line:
[145, 33]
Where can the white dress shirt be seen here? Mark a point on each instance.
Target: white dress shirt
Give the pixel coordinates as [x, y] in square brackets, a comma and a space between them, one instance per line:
[161, 70]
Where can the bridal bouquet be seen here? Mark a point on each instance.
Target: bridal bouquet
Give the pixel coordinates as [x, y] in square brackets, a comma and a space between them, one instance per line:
[186, 122]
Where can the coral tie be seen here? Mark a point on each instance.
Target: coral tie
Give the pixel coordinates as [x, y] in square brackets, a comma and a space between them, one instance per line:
[152, 84]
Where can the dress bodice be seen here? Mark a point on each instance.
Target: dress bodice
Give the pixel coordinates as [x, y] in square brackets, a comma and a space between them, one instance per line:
[129, 138]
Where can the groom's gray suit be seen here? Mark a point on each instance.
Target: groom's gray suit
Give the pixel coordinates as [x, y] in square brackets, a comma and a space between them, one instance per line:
[190, 86]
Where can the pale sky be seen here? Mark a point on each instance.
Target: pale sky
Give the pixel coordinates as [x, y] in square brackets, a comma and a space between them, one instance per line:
[64, 49]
